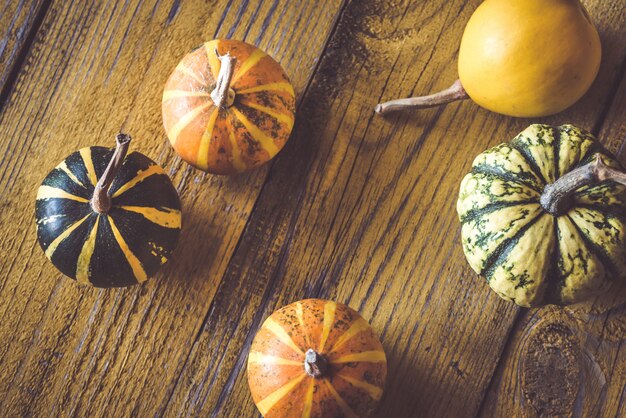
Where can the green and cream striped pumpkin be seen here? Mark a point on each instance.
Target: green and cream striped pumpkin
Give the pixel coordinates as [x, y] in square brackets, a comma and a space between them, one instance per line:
[544, 217]
[106, 219]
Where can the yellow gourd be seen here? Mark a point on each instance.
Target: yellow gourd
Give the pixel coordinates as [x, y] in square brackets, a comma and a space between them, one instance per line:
[523, 58]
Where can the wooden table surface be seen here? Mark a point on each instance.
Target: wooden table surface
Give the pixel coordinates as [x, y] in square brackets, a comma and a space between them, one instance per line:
[357, 208]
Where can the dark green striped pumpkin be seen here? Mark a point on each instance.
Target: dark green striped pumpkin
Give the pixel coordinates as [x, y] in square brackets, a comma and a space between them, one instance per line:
[544, 217]
[125, 244]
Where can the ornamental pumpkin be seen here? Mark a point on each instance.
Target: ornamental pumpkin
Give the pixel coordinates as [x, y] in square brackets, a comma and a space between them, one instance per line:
[544, 217]
[106, 219]
[316, 358]
[228, 107]
[523, 58]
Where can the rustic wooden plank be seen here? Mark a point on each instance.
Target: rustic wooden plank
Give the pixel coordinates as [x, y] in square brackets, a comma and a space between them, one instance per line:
[586, 370]
[19, 22]
[613, 128]
[97, 66]
[362, 210]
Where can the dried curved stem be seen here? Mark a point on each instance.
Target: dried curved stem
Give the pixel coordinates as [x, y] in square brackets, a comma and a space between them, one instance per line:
[556, 197]
[314, 363]
[101, 201]
[451, 94]
[223, 96]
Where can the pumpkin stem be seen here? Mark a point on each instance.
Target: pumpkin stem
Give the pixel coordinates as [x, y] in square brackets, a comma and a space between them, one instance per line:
[451, 94]
[223, 96]
[101, 201]
[314, 363]
[557, 197]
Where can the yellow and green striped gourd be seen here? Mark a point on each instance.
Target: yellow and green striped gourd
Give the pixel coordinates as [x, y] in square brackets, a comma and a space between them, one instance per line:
[544, 217]
[106, 219]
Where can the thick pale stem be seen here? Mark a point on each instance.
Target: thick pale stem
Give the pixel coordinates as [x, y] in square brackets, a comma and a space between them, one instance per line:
[223, 96]
[557, 197]
[451, 94]
[101, 201]
[314, 363]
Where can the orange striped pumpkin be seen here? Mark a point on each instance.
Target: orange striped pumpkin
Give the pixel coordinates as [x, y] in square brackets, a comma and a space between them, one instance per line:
[228, 107]
[316, 358]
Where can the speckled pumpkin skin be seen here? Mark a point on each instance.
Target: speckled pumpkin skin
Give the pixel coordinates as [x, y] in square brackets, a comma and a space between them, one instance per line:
[357, 368]
[235, 139]
[526, 254]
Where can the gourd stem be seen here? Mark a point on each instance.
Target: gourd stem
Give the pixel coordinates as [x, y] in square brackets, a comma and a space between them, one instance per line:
[101, 201]
[557, 197]
[451, 94]
[314, 363]
[223, 96]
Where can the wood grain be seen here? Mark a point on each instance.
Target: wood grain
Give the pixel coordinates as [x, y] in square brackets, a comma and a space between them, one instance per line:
[96, 67]
[19, 23]
[361, 210]
[356, 208]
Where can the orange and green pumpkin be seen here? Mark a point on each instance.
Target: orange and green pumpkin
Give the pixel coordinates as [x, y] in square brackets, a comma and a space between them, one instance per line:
[228, 107]
[316, 358]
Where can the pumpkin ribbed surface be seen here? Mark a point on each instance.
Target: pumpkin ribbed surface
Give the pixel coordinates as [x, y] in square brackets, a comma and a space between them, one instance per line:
[125, 246]
[526, 254]
[226, 140]
[355, 376]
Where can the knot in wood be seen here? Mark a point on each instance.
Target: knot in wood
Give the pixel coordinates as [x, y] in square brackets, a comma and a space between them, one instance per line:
[551, 369]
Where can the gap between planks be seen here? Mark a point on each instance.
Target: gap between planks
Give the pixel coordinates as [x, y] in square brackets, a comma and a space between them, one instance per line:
[20, 60]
